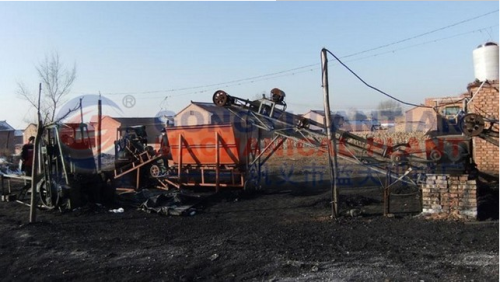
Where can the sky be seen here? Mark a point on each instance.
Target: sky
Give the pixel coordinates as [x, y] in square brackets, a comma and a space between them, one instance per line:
[162, 55]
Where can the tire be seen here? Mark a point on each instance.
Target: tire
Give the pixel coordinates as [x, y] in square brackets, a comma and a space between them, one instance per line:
[48, 195]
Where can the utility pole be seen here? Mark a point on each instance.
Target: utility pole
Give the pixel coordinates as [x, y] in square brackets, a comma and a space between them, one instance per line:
[332, 142]
[99, 124]
[34, 168]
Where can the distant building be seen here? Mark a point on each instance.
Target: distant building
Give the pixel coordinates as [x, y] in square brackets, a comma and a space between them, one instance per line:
[29, 131]
[364, 125]
[438, 114]
[7, 138]
[419, 119]
[113, 128]
[342, 121]
[18, 141]
[319, 117]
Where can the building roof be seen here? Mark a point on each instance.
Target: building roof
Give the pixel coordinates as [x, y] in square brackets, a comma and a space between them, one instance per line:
[209, 107]
[131, 121]
[4, 126]
[319, 112]
[322, 113]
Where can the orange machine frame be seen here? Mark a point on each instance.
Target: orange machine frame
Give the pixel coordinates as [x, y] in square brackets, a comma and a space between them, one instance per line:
[209, 155]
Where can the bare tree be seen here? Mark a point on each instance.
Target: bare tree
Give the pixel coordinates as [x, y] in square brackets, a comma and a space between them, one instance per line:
[356, 115]
[56, 82]
[390, 109]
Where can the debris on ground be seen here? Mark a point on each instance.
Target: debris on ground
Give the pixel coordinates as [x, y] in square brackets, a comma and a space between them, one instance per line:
[173, 203]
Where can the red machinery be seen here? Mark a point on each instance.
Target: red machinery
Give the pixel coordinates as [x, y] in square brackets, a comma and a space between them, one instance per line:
[223, 155]
[203, 155]
[208, 155]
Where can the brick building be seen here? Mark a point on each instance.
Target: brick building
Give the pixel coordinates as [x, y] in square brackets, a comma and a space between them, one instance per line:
[7, 138]
[485, 102]
[438, 115]
[113, 128]
[29, 131]
[198, 113]
[482, 99]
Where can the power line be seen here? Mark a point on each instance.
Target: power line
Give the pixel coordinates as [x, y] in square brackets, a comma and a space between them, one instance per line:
[420, 44]
[384, 93]
[422, 34]
[372, 87]
[232, 82]
[293, 70]
[275, 75]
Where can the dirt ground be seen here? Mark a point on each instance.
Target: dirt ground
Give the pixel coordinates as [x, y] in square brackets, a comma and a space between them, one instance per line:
[282, 233]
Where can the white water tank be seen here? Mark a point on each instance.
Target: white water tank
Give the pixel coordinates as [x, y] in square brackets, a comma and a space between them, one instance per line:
[486, 61]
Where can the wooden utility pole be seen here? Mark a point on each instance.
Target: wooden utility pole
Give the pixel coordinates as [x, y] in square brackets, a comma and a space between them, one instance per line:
[332, 142]
[99, 125]
[34, 167]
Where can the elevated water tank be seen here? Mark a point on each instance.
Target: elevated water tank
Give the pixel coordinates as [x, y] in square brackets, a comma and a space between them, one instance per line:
[486, 61]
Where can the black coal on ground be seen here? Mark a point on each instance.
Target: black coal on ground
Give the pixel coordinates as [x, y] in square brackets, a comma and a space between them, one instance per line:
[284, 233]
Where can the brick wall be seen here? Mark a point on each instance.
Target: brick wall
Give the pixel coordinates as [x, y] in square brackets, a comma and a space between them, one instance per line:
[449, 196]
[486, 103]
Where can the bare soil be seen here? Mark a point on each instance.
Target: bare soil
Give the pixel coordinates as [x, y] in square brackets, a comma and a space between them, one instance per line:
[282, 233]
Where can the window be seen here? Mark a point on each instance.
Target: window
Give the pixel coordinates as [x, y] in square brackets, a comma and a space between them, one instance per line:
[451, 111]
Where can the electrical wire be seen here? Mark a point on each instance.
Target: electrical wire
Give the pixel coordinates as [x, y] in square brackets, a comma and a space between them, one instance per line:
[287, 72]
[419, 44]
[422, 34]
[227, 83]
[372, 87]
[284, 73]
